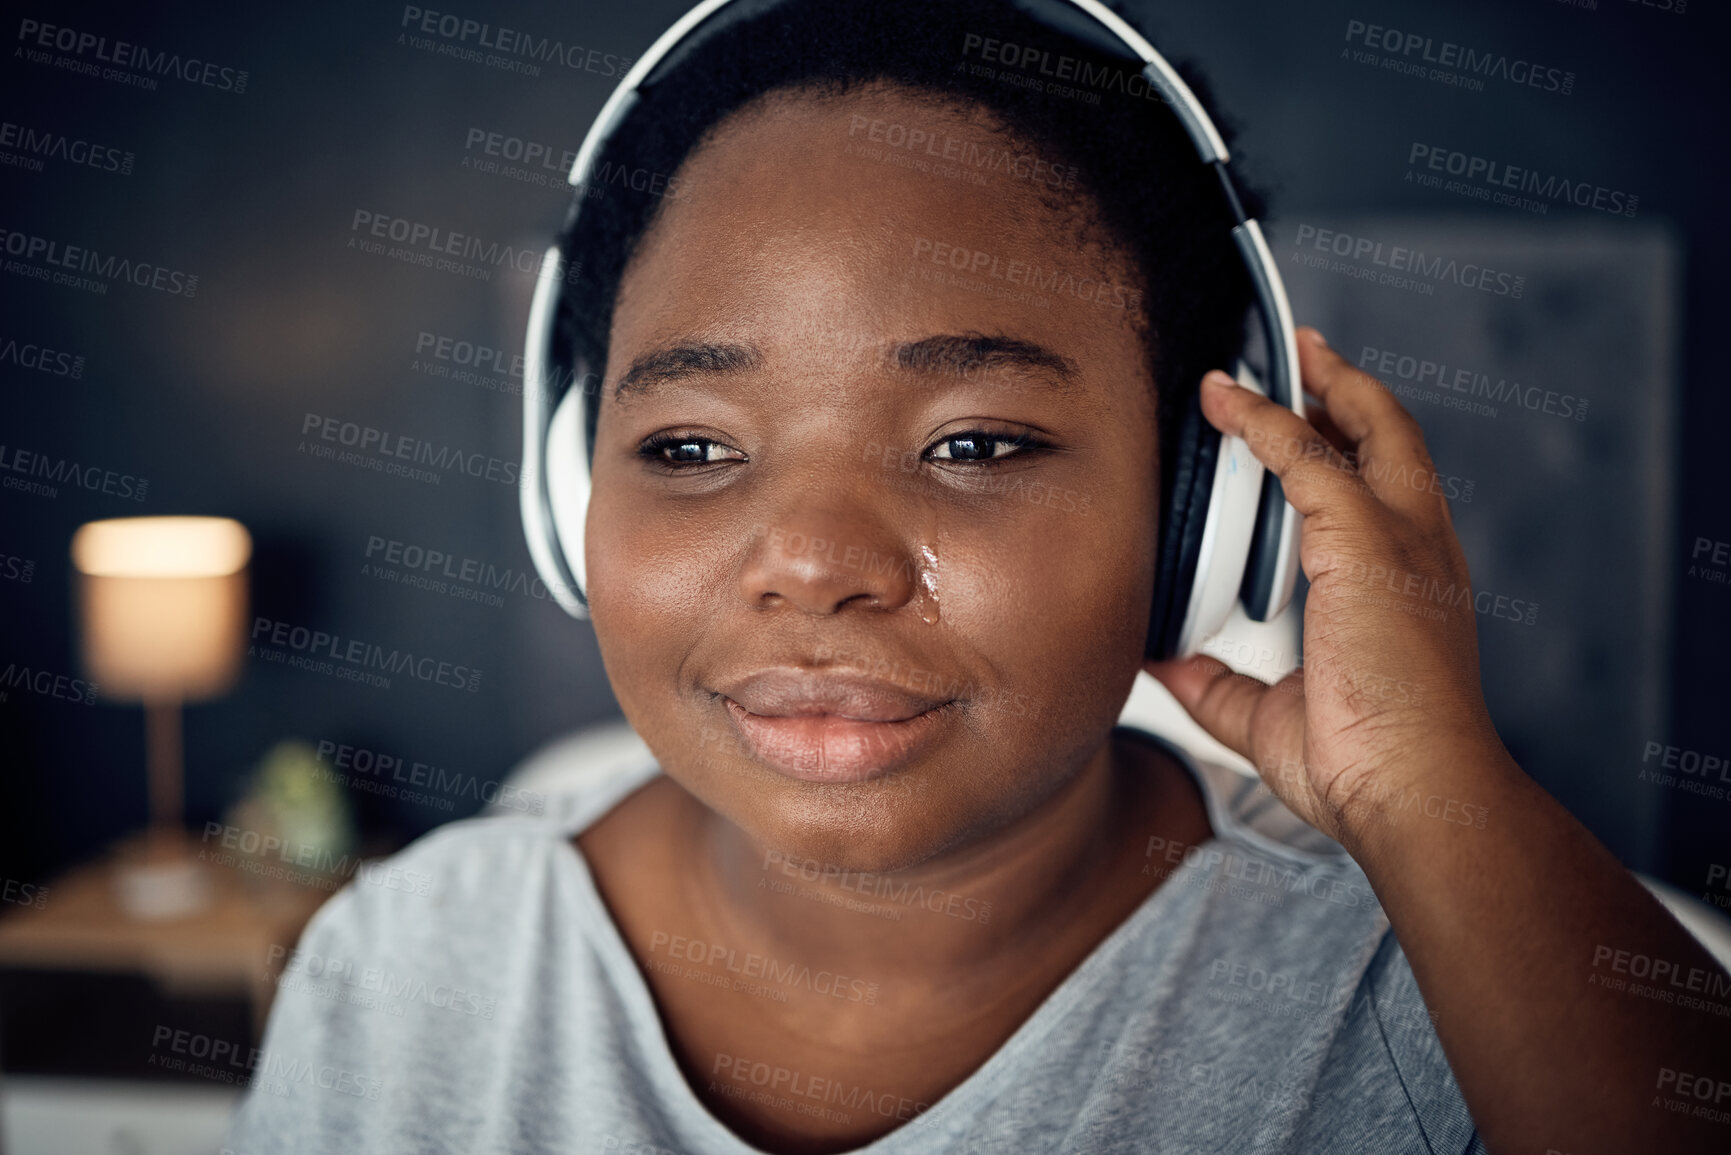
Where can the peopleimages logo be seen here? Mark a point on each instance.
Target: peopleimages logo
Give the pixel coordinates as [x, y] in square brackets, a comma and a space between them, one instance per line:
[1426, 272]
[530, 153]
[356, 654]
[225, 1062]
[994, 267]
[1064, 70]
[46, 684]
[30, 355]
[377, 980]
[435, 570]
[368, 769]
[45, 259]
[968, 156]
[373, 446]
[36, 145]
[1440, 375]
[520, 50]
[1493, 177]
[62, 471]
[538, 163]
[489, 367]
[36, 36]
[439, 248]
[1422, 55]
[17, 569]
[887, 888]
[750, 965]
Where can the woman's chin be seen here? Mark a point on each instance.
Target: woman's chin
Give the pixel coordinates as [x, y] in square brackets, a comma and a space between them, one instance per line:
[875, 827]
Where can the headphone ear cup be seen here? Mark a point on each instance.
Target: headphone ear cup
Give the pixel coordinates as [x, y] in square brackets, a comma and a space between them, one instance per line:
[1217, 492]
[568, 485]
[1182, 529]
[538, 492]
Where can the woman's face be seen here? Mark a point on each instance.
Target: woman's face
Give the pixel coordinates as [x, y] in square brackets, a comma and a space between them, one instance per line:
[871, 548]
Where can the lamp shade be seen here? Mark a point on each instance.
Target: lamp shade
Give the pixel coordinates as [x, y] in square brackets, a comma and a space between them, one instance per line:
[162, 605]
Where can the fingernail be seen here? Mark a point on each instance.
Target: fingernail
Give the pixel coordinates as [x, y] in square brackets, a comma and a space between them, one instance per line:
[1219, 378]
[1315, 338]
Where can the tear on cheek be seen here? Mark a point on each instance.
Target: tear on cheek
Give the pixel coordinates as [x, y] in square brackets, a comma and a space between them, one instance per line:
[926, 597]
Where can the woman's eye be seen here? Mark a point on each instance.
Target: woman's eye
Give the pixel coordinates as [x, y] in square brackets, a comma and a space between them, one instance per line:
[683, 449]
[976, 445]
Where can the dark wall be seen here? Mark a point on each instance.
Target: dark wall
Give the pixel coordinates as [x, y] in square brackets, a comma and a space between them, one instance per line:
[206, 395]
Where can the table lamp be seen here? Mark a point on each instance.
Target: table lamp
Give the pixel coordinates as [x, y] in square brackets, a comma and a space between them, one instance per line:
[162, 603]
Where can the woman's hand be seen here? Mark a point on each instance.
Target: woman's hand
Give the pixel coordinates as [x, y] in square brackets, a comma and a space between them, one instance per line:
[1388, 699]
[1507, 924]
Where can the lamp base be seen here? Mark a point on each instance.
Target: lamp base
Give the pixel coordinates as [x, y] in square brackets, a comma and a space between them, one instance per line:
[160, 878]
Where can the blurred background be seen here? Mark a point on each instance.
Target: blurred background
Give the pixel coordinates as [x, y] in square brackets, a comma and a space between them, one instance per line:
[1576, 404]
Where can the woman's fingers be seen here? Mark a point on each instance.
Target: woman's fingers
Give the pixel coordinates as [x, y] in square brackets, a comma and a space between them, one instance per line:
[1313, 475]
[1260, 722]
[1389, 448]
[1331, 433]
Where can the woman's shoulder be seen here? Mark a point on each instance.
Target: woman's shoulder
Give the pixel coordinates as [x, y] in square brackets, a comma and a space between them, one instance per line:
[1280, 976]
[482, 877]
[557, 791]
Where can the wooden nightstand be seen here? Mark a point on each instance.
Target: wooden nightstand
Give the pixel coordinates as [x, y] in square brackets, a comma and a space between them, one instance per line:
[222, 950]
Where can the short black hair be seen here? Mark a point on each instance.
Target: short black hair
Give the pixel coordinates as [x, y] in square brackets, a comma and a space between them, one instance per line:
[1134, 161]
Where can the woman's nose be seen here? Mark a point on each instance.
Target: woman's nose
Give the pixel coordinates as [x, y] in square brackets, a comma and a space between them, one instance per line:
[819, 562]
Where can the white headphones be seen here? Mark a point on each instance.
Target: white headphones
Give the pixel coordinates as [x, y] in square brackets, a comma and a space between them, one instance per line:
[1230, 535]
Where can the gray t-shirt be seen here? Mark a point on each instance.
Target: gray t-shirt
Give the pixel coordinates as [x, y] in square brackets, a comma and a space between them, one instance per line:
[474, 995]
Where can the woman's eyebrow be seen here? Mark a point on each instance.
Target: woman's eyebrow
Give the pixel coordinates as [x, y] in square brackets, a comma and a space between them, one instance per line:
[953, 354]
[685, 359]
[967, 354]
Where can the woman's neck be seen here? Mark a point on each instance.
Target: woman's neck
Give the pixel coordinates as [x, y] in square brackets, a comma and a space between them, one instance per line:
[906, 982]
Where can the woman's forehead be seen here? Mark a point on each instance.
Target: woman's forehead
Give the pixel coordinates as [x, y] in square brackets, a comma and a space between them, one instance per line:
[789, 211]
[932, 142]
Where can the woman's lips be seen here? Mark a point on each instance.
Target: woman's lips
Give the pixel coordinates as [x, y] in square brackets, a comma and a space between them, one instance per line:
[833, 747]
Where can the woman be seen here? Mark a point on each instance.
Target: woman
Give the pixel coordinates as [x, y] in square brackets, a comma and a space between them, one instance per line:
[880, 458]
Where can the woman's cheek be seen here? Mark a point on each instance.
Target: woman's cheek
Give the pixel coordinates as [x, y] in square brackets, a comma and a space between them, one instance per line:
[637, 572]
[636, 600]
[1049, 604]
